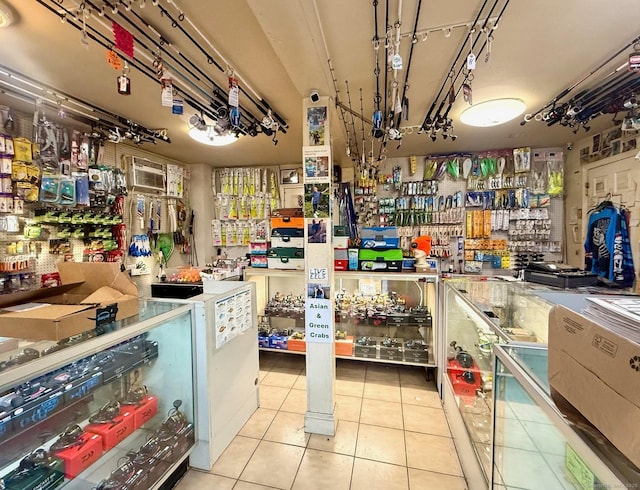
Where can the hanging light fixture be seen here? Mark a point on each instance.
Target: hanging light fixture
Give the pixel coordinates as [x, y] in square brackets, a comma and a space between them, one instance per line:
[492, 112]
[208, 135]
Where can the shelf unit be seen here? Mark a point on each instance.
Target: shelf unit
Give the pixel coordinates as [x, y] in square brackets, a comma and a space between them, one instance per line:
[153, 349]
[397, 306]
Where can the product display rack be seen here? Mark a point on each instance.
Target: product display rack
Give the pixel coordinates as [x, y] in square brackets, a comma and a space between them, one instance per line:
[476, 316]
[109, 409]
[535, 442]
[379, 317]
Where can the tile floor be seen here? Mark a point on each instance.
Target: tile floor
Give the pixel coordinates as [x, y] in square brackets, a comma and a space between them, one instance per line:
[392, 435]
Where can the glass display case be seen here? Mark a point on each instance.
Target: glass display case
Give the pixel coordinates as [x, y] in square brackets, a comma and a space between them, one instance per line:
[110, 408]
[535, 447]
[380, 317]
[476, 316]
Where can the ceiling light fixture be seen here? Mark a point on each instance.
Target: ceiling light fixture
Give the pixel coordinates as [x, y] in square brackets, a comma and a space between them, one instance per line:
[492, 112]
[209, 136]
[6, 14]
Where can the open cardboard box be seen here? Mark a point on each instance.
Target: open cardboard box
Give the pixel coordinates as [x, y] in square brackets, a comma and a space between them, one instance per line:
[71, 308]
[598, 373]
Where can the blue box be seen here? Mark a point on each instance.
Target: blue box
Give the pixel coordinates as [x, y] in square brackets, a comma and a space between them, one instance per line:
[263, 341]
[278, 342]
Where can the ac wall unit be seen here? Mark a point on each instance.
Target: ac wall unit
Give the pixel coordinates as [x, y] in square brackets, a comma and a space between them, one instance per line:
[147, 176]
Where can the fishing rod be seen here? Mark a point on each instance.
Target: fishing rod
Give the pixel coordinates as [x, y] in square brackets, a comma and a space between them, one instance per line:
[353, 122]
[427, 118]
[571, 109]
[362, 125]
[145, 70]
[569, 89]
[339, 105]
[396, 57]
[264, 110]
[244, 84]
[443, 119]
[376, 119]
[414, 39]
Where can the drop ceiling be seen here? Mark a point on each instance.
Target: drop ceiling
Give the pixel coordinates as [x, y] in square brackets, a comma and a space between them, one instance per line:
[280, 50]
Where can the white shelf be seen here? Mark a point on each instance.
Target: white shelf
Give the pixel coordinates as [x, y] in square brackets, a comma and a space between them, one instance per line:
[355, 358]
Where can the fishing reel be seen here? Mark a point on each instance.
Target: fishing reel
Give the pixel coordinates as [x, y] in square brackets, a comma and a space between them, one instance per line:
[176, 420]
[69, 438]
[106, 414]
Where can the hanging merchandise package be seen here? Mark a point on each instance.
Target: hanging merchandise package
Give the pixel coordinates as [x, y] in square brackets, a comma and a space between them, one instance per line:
[555, 173]
[539, 173]
[50, 189]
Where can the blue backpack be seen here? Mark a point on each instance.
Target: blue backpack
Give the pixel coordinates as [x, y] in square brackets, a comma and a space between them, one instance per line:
[608, 247]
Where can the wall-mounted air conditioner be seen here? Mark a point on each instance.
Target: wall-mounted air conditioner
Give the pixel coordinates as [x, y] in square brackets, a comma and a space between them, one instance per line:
[147, 176]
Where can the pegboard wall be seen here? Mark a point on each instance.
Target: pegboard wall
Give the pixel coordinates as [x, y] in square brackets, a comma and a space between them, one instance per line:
[536, 228]
[37, 252]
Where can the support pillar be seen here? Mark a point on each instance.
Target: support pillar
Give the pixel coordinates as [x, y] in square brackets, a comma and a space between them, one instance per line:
[320, 417]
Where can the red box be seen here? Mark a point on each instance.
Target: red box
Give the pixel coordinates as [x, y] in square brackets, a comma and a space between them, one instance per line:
[297, 344]
[340, 264]
[79, 457]
[114, 433]
[344, 347]
[145, 411]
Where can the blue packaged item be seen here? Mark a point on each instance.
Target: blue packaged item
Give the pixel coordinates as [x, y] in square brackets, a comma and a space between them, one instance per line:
[607, 246]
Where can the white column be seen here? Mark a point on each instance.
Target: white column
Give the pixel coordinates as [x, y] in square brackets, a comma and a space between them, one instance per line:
[320, 417]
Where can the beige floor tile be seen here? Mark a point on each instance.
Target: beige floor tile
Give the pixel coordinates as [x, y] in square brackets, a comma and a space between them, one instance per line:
[381, 444]
[353, 371]
[263, 373]
[284, 378]
[432, 453]
[414, 375]
[196, 480]
[233, 460]
[349, 407]
[267, 360]
[426, 420]
[320, 470]
[382, 372]
[291, 361]
[287, 428]
[272, 396]
[422, 396]
[245, 485]
[258, 424]
[296, 402]
[378, 391]
[349, 387]
[301, 383]
[384, 414]
[273, 465]
[419, 480]
[374, 475]
[344, 442]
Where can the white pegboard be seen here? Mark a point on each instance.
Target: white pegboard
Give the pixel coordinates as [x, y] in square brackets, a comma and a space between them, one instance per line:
[450, 186]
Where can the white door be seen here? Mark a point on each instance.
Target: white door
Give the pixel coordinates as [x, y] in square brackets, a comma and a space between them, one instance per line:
[618, 182]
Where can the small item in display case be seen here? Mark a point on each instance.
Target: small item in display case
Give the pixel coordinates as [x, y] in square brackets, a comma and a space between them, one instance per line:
[78, 449]
[416, 351]
[344, 343]
[391, 349]
[464, 374]
[176, 431]
[143, 405]
[113, 422]
[366, 347]
[36, 470]
[278, 339]
[296, 342]
[126, 476]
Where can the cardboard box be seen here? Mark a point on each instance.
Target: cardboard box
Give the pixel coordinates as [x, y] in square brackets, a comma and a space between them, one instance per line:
[598, 373]
[73, 307]
[78, 458]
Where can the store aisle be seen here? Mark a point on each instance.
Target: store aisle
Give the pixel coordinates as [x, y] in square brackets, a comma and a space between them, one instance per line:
[392, 435]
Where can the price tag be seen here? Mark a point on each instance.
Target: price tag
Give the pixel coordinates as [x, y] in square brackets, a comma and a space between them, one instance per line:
[634, 62]
[471, 61]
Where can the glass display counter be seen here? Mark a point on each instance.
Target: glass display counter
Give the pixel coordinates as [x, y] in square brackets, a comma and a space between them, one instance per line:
[476, 316]
[535, 447]
[110, 408]
[380, 317]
